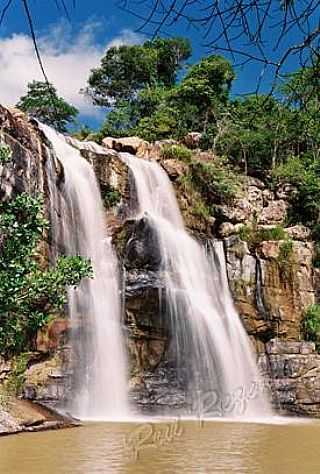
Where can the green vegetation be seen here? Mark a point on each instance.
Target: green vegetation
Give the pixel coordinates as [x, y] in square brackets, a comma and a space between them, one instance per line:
[274, 233]
[13, 385]
[311, 324]
[5, 153]
[176, 152]
[139, 83]
[29, 293]
[304, 174]
[151, 92]
[215, 180]
[126, 70]
[200, 209]
[43, 103]
[286, 259]
[254, 236]
[110, 195]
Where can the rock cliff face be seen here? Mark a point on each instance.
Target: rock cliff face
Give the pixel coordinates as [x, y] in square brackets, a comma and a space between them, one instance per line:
[272, 281]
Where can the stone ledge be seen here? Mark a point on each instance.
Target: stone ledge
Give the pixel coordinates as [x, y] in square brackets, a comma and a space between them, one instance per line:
[276, 346]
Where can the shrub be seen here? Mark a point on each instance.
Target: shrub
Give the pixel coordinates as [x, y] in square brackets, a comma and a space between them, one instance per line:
[13, 385]
[177, 152]
[311, 324]
[214, 180]
[274, 233]
[200, 209]
[285, 258]
[110, 195]
[286, 250]
[5, 153]
[29, 294]
[304, 174]
[246, 233]
[292, 171]
[254, 236]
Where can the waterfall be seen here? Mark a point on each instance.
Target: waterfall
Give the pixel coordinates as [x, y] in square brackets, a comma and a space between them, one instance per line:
[211, 345]
[94, 307]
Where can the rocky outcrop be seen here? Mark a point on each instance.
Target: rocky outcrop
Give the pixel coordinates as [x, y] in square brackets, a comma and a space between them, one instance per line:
[192, 140]
[293, 369]
[272, 281]
[133, 145]
[22, 416]
[271, 294]
[257, 204]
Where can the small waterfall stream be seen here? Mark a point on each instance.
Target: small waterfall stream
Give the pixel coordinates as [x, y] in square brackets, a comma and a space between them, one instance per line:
[211, 345]
[94, 307]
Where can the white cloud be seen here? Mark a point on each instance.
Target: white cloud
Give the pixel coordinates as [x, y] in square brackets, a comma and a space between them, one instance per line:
[67, 60]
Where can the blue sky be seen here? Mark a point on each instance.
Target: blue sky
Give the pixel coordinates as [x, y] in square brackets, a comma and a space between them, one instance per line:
[71, 49]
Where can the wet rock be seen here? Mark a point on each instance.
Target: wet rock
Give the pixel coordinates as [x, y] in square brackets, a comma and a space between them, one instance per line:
[142, 248]
[25, 416]
[294, 371]
[48, 381]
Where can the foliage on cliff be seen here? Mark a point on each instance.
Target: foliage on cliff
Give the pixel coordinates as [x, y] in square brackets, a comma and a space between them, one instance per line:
[29, 293]
[151, 93]
[140, 84]
[311, 324]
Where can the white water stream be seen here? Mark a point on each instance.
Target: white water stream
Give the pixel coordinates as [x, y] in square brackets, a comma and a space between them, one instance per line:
[94, 307]
[211, 345]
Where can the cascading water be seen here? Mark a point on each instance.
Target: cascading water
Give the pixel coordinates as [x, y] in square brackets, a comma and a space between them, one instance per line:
[210, 343]
[94, 307]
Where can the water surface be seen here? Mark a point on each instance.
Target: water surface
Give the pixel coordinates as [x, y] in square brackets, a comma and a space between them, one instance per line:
[166, 447]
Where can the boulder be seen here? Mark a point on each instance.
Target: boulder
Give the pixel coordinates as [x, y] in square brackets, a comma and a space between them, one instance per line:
[299, 232]
[174, 168]
[255, 182]
[192, 139]
[239, 211]
[286, 191]
[226, 229]
[275, 213]
[267, 196]
[133, 145]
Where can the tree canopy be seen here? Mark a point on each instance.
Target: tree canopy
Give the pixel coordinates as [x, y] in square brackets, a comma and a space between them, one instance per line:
[43, 103]
[147, 96]
[127, 69]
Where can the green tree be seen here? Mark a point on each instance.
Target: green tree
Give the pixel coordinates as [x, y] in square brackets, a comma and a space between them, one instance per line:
[29, 293]
[159, 112]
[301, 92]
[127, 69]
[258, 132]
[304, 174]
[43, 103]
